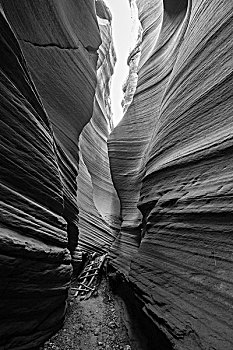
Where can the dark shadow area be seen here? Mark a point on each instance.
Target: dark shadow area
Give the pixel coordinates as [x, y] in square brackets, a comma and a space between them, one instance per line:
[143, 333]
[175, 6]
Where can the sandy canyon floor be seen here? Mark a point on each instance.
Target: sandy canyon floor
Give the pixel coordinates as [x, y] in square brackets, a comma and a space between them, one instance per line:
[92, 324]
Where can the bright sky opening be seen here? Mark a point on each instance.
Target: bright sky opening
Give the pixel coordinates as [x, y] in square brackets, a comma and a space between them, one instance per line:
[121, 28]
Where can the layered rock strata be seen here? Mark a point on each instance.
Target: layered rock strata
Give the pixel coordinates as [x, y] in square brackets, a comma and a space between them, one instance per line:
[44, 105]
[133, 59]
[172, 166]
[99, 208]
[170, 161]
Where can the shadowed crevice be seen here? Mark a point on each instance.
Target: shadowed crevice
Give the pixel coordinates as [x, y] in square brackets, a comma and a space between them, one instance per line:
[90, 49]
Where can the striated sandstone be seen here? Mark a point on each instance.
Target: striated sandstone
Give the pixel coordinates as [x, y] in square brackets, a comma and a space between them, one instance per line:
[172, 166]
[99, 207]
[42, 115]
[170, 160]
[133, 59]
[60, 45]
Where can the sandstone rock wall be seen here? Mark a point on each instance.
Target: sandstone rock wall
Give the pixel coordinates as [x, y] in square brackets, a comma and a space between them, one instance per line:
[99, 207]
[171, 161]
[44, 105]
[133, 59]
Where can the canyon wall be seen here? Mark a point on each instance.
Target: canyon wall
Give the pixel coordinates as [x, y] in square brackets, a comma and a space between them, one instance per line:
[130, 85]
[99, 208]
[171, 162]
[46, 100]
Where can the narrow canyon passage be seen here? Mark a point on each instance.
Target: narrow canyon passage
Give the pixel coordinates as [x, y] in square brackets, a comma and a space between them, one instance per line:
[106, 319]
[92, 324]
[151, 192]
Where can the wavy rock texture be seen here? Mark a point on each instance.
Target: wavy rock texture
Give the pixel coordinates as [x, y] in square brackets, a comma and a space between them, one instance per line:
[99, 208]
[39, 158]
[171, 157]
[133, 59]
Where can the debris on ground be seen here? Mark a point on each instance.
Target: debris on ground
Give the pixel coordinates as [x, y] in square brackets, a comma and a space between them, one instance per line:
[92, 323]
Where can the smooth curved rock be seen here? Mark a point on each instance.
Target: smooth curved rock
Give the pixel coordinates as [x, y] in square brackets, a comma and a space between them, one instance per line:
[134, 58]
[99, 208]
[130, 139]
[39, 158]
[171, 157]
[60, 45]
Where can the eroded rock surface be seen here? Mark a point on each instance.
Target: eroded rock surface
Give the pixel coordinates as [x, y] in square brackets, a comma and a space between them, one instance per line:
[99, 208]
[170, 160]
[44, 105]
[134, 57]
[171, 163]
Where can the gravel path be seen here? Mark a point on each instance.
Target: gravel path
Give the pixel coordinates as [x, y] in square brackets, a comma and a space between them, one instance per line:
[93, 324]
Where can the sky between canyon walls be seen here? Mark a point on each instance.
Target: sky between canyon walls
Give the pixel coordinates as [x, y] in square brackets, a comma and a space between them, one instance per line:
[122, 39]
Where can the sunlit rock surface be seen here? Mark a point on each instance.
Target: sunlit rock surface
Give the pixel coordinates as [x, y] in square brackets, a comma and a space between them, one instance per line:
[44, 105]
[133, 59]
[99, 207]
[171, 161]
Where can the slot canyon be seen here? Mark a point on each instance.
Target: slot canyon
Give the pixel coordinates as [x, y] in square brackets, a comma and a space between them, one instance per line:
[154, 194]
